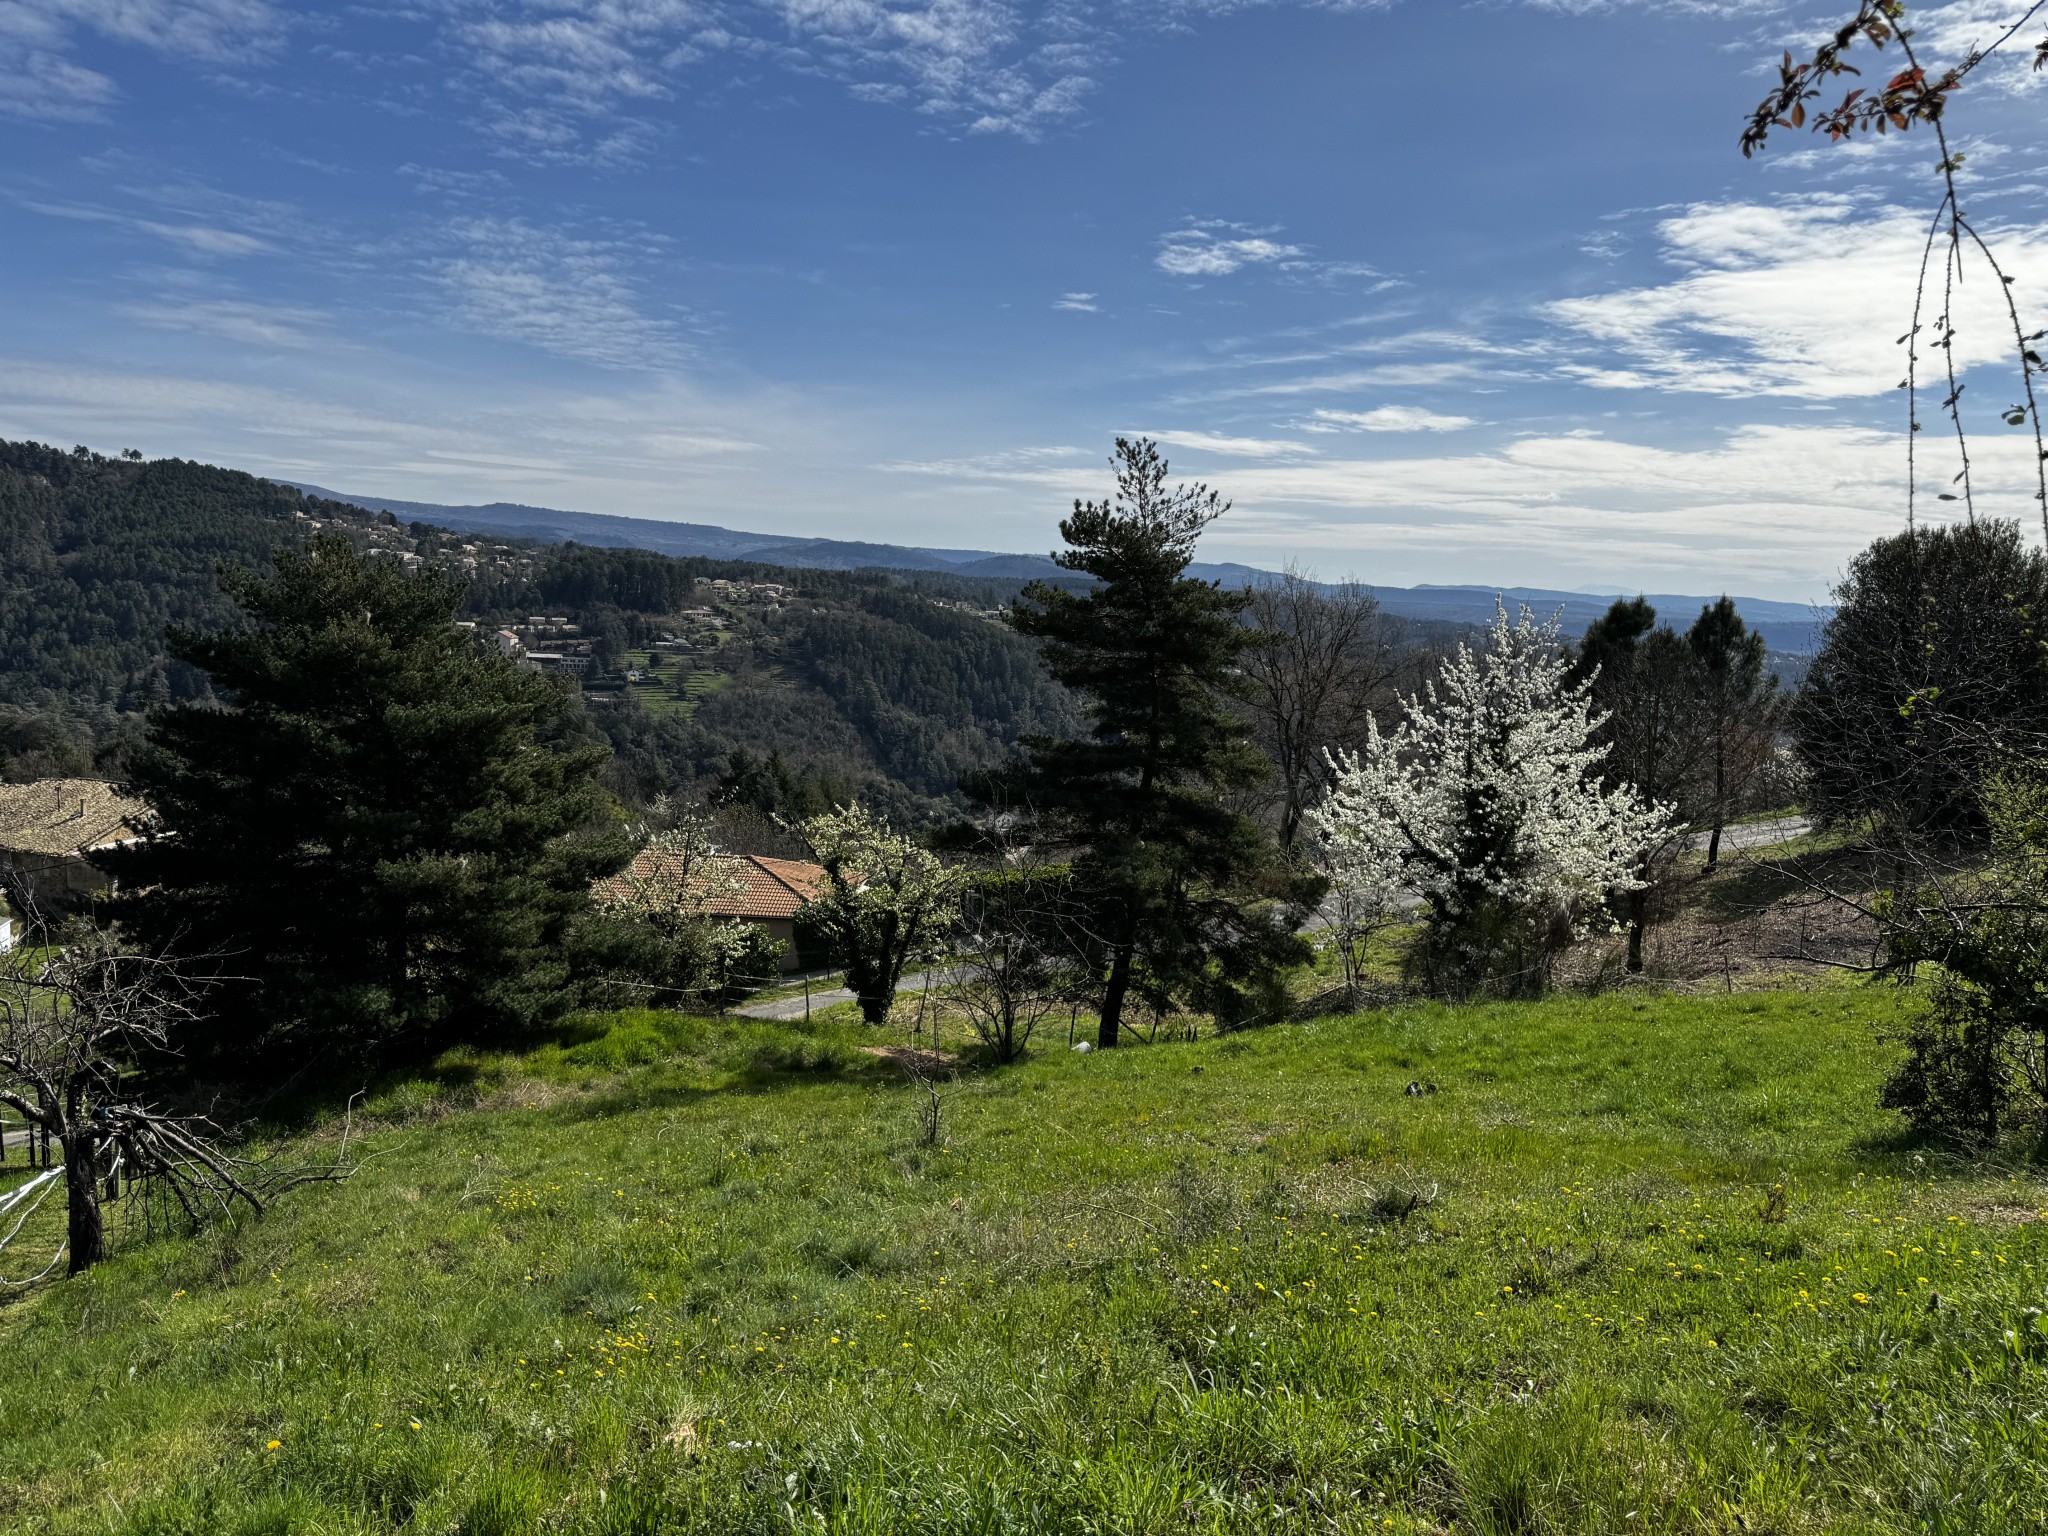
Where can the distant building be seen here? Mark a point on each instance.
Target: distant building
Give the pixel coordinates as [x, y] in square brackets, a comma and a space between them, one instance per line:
[509, 644]
[762, 891]
[49, 829]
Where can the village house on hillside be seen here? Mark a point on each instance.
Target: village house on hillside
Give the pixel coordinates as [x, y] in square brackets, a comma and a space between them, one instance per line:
[49, 829]
[762, 891]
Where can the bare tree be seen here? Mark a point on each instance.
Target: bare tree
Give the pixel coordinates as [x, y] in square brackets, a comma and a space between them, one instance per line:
[1022, 954]
[72, 1029]
[1324, 666]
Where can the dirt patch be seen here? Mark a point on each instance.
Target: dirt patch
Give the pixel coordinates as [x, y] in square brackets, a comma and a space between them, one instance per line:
[1746, 926]
[2005, 1213]
[925, 1063]
[525, 1093]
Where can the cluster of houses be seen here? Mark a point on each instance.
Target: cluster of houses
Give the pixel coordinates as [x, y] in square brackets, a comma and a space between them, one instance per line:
[544, 643]
[50, 829]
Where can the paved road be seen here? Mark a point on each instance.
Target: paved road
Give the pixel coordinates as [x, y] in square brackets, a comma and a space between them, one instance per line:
[795, 1007]
[1756, 834]
[16, 1141]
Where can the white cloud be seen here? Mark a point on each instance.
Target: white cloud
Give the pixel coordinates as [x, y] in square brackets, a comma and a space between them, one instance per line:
[248, 324]
[1765, 509]
[1231, 447]
[39, 81]
[1801, 298]
[204, 240]
[1770, 510]
[1389, 418]
[1213, 249]
[194, 239]
[1380, 376]
[356, 419]
[567, 296]
[1084, 303]
[986, 66]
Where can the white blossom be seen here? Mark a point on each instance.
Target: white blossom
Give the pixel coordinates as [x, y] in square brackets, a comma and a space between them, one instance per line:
[1488, 794]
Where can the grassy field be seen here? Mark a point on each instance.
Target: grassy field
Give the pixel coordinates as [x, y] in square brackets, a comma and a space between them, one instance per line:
[1638, 1263]
[659, 671]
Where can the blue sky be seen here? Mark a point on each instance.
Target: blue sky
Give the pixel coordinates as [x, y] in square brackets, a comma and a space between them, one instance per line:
[1435, 291]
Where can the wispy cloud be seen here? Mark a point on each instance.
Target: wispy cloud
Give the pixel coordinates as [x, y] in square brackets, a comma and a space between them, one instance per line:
[1211, 248]
[571, 297]
[1204, 248]
[41, 81]
[1232, 447]
[1387, 418]
[204, 240]
[1769, 509]
[1083, 303]
[240, 321]
[564, 75]
[194, 239]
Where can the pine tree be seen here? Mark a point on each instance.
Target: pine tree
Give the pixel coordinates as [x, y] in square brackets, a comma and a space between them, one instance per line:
[1181, 885]
[376, 845]
[1739, 707]
[1646, 683]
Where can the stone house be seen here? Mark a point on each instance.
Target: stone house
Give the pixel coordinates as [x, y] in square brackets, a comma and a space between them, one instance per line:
[48, 832]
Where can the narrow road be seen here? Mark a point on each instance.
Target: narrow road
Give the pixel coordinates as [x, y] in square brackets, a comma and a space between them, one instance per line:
[1755, 834]
[796, 1007]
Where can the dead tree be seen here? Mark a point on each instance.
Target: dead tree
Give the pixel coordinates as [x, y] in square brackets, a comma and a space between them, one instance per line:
[1016, 958]
[73, 1028]
[1324, 665]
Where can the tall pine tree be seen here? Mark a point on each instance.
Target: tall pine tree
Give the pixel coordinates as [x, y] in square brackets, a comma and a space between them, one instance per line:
[1739, 706]
[1183, 889]
[376, 845]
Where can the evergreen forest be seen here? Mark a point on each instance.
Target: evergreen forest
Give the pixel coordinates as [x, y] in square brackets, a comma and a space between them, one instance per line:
[887, 685]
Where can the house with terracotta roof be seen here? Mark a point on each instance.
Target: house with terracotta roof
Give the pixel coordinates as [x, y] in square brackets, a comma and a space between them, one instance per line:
[48, 832]
[762, 891]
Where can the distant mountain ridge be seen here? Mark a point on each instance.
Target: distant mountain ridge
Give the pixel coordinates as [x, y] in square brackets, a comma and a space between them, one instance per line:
[1790, 628]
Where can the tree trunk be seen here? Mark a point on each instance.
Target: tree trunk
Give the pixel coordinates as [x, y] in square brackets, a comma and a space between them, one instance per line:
[87, 1232]
[1720, 801]
[873, 990]
[1290, 819]
[1106, 1035]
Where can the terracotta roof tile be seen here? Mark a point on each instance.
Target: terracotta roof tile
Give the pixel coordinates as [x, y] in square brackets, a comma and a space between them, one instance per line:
[767, 888]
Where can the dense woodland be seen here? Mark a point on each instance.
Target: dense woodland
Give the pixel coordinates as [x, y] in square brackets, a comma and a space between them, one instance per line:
[890, 686]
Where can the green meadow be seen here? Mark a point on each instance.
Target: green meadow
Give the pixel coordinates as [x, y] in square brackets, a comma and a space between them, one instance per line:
[1638, 1263]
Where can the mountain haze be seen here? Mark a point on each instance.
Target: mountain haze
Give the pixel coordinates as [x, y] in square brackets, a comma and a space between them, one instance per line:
[1788, 628]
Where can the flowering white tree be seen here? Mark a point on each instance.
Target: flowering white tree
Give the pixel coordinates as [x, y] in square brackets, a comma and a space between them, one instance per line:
[675, 888]
[1486, 803]
[884, 902]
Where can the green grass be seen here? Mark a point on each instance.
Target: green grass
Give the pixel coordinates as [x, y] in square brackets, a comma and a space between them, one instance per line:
[668, 1275]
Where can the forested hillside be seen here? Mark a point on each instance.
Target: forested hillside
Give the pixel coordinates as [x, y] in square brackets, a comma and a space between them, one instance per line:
[883, 684]
[98, 555]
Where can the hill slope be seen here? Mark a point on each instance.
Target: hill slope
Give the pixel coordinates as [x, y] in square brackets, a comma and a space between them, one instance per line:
[694, 1277]
[877, 684]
